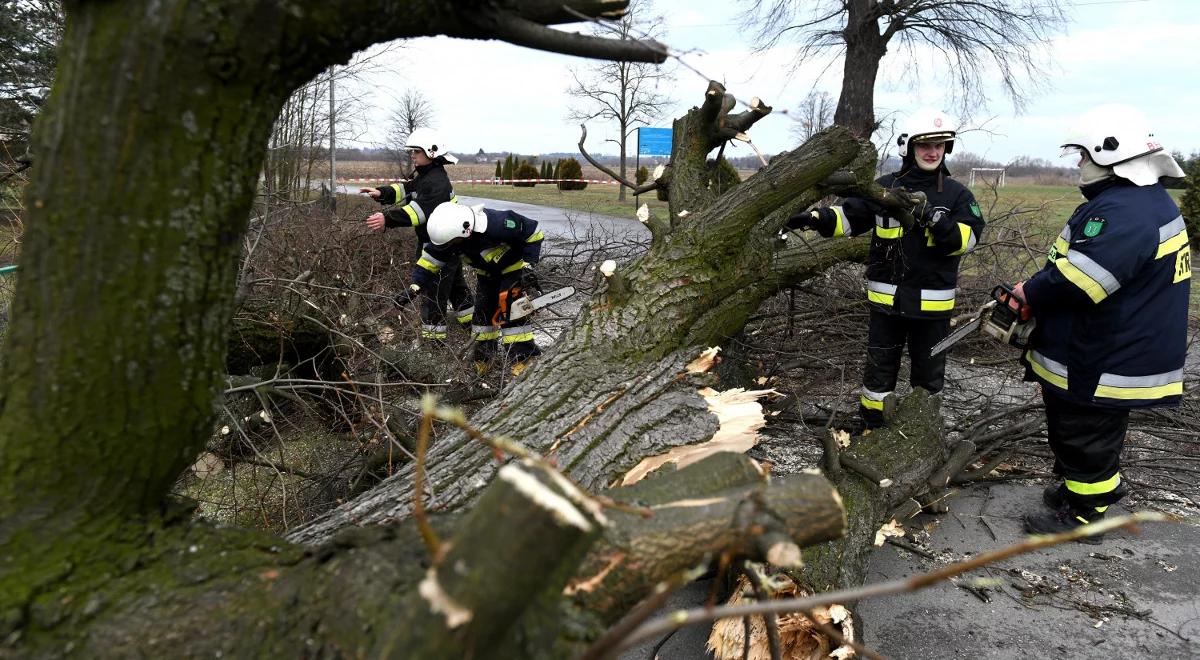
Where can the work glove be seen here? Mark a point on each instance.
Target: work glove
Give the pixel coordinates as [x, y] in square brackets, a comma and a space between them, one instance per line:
[529, 281]
[409, 296]
[803, 220]
[924, 213]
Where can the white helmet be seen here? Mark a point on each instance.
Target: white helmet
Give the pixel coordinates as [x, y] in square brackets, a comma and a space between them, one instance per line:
[927, 125]
[451, 220]
[429, 141]
[1119, 137]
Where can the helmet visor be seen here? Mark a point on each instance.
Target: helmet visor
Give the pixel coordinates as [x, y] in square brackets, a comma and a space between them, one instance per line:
[934, 138]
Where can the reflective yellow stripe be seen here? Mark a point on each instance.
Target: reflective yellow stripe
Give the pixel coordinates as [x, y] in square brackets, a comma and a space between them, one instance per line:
[412, 215]
[432, 334]
[486, 336]
[399, 190]
[493, 255]
[870, 404]
[892, 232]
[537, 236]
[1044, 373]
[936, 305]
[517, 266]
[881, 298]
[512, 339]
[1144, 393]
[464, 318]
[1098, 488]
[968, 240]
[429, 265]
[1172, 245]
[1091, 287]
[1061, 246]
[842, 226]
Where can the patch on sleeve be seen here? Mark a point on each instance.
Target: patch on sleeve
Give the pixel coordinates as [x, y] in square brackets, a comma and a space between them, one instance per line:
[509, 223]
[1093, 227]
[975, 209]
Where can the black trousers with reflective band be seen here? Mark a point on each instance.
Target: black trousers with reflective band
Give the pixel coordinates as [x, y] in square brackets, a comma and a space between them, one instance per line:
[887, 334]
[1087, 443]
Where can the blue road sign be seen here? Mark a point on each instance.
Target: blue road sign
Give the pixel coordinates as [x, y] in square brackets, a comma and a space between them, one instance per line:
[654, 141]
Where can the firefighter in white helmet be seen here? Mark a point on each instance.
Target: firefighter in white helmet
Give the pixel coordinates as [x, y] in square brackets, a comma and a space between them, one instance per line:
[414, 201]
[912, 273]
[1111, 305]
[502, 247]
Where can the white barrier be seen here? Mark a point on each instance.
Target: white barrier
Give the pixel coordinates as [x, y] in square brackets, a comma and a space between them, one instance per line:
[495, 182]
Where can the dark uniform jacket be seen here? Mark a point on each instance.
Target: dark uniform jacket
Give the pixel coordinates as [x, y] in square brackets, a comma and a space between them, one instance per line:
[429, 187]
[1111, 303]
[914, 273]
[510, 242]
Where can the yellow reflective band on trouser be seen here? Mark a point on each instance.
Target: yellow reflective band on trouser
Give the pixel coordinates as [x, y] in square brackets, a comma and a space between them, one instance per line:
[1140, 388]
[842, 226]
[1048, 370]
[464, 318]
[968, 240]
[516, 334]
[1097, 488]
[1088, 275]
[1171, 237]
[433, 332]
[485, 332]
[535, 237]
[872, 400]
[515, 267]
[889, 232]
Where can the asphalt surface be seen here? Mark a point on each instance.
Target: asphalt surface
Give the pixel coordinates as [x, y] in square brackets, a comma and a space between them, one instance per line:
[1129, 597]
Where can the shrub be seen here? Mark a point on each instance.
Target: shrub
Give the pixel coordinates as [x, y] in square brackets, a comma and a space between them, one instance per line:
[722, 176]
[525, 170]
[642, 176]
[570, 175]
[499, 170]
[1189, 203]
[507, 172]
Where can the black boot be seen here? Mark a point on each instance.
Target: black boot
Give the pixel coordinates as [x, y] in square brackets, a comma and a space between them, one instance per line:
[1065, 519]
[1055, 496]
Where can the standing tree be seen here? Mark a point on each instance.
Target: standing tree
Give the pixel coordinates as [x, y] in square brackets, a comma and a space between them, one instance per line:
[412, 111]
[813, 115]
[979, 41]
[625, 92]
[29, 34]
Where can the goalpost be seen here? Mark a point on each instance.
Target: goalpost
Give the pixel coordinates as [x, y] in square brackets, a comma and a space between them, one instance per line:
[987, 174]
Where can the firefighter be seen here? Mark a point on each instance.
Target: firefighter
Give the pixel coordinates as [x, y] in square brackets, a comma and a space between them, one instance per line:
[1111, 306]
[502, 247]
[415, 200]
[911, 274]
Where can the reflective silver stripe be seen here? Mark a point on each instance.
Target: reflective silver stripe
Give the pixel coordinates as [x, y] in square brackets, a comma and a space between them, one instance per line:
[516, 330]
[481, 329]
[431, 259]
[843, 223]
[971, 241]
[1056, 368]
[1153, 380]
[1094, 270]
[1065, 234]
[937, 294]
[419, 211]
[881, 287]
[874, 396]
[886, 223]
[434, 328]
[1169, 230]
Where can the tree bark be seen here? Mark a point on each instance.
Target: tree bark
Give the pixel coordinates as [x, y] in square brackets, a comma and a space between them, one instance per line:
[865, 48]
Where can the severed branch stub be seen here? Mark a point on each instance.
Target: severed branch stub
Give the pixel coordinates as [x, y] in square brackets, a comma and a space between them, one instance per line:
[637, 190]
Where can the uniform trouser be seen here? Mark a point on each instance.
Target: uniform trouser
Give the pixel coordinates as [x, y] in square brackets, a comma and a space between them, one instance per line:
[886, 336]
[1087, 443]
[450, 290]
[490, 325]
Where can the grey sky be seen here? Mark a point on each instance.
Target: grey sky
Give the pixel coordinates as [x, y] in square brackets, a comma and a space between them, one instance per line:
[500, 97]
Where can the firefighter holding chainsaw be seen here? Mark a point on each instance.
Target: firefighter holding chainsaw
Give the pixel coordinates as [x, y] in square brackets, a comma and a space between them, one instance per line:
[502, 247]
[415, 200]
[911, 273]
[1111, 312]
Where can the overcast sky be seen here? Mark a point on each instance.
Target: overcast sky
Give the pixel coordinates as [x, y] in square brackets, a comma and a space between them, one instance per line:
[498, 97]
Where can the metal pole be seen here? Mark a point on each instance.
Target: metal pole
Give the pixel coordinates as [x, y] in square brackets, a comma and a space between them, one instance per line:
[637, 164]
[332, 145]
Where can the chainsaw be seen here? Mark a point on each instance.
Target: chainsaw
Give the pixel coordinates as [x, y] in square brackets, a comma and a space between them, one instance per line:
[524, 306]
[1005, 318]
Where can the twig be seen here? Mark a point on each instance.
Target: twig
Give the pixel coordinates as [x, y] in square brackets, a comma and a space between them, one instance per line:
[428, 405]
[637, 190]
[760, 593]
[1037, 542]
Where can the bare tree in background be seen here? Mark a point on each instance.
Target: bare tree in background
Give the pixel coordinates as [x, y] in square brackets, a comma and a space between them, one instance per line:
[813, 115]
[412, 111]
[978, 40]
[627, 93]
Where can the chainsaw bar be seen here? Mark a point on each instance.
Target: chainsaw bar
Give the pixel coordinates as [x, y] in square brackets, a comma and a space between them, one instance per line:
[956, 336]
